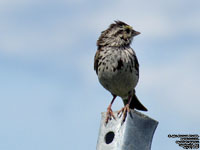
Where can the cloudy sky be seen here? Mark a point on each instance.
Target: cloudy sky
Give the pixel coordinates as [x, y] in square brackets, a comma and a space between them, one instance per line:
[50, 98]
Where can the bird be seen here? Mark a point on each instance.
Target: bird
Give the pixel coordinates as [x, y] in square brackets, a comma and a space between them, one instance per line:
[117, 67]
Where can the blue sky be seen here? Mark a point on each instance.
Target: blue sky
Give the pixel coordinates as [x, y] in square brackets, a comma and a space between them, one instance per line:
[50, 96]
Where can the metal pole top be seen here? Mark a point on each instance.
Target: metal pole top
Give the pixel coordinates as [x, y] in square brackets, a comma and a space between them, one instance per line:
[135, 133]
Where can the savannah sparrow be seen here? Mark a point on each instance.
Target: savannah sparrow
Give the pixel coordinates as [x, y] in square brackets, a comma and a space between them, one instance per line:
[117, 66]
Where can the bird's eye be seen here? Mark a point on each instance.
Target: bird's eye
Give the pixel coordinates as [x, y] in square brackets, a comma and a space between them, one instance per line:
[128, 30]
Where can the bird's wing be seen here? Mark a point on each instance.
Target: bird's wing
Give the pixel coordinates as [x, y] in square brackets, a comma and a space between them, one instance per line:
[136, 63]
[96, 60]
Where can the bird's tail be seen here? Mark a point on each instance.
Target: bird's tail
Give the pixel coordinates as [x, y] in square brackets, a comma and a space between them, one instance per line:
[135, 104]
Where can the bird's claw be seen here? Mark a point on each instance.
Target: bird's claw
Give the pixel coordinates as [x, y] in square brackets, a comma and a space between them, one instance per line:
[123, 112]
[109, 115]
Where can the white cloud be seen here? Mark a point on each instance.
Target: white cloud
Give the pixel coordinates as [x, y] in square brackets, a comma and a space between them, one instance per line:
[12, 5]
[154, 19]
[33, 39]
[176, 84]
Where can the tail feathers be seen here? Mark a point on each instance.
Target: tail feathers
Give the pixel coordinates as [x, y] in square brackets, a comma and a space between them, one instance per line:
[135, 103]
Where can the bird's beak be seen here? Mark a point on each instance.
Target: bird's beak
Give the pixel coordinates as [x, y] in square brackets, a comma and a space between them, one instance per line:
[136, 33]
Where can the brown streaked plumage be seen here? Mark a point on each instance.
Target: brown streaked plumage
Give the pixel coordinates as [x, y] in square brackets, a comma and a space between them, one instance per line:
[117, 67]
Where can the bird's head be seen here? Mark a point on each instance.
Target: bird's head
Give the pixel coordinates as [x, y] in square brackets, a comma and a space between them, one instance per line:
[117, 34]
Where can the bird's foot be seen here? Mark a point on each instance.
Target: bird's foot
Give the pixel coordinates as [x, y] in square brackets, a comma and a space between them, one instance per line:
[109, 114]
[123, 112]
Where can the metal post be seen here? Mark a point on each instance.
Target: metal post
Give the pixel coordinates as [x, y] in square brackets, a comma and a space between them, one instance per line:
[135, 133]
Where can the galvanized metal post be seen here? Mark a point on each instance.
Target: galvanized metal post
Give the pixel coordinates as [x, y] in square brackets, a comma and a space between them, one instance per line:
[135, 133]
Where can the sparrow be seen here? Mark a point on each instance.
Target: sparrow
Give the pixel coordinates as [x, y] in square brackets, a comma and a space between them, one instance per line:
[117, 67]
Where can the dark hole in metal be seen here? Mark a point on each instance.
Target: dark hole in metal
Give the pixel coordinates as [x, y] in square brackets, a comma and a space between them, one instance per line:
[109, 137]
